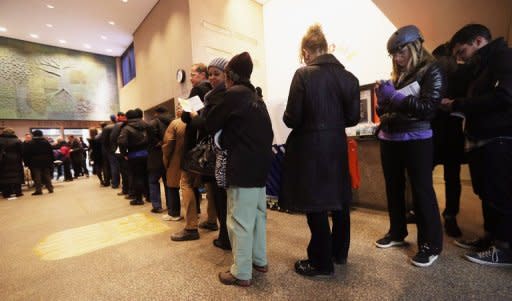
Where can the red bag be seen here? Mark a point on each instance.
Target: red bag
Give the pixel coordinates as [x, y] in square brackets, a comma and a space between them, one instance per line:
[353, 164]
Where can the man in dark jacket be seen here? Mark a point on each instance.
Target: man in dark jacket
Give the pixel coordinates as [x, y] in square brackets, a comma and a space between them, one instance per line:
[133, 143]
[11, 167]
[488, 111]
[156, 170]
[110, 163]
[38, 156]
[247, 138]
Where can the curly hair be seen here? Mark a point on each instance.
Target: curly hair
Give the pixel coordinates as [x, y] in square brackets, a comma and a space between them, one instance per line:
[313, 41]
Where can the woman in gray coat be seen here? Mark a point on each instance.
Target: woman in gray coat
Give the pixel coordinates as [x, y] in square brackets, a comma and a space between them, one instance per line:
[323, 100]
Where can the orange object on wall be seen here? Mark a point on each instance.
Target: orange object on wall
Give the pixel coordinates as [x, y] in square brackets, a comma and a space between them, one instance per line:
[353, 163]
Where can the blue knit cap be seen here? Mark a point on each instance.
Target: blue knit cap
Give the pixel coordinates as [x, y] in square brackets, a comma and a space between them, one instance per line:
[219, 63]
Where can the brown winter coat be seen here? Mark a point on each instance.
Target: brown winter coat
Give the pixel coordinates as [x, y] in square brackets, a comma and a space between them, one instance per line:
[172, 149]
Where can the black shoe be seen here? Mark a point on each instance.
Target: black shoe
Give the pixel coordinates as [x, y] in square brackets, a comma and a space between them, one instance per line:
[425, 256]
[221, 245]
[129, 197]
[136, 203]
[50, 190]
[477, 245]
[37, 193]
[19, 194]
[157, 210]
[185, 235]
[209, 226]
[339, 260]
[105, 184]
[115, 187]
[304, 268]
[387, 242]
[451, 228]
[121, 193]
[499, 257]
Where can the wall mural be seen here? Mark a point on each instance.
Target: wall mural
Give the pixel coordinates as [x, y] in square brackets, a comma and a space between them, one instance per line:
[45, 82]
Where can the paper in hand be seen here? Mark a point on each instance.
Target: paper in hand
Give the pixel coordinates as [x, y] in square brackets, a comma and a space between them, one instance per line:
[411, 89]
[192, 104]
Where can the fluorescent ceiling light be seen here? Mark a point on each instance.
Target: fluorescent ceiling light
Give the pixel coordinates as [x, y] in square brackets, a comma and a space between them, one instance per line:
[103, 37]
[62, 41]
[50, 6]
[125, 1]
[108, 50]
[87, 46]
[111, 22]
[3, 29]
[35, 36]
[49, 25]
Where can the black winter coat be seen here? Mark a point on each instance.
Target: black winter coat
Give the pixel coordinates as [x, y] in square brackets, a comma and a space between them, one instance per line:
[38, 153]
[246, 135]
[157, 128]
[415, 112]
[11, 166]
[323, 100]
[488, 104]
[134, 136]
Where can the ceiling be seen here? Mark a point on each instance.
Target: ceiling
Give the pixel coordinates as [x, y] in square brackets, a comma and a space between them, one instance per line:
[74, 24]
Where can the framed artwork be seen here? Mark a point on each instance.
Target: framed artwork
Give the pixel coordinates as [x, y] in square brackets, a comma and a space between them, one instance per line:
[368, 103]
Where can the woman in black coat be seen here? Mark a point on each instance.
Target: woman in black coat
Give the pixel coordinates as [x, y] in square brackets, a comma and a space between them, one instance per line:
[11, 166]
[323, 100]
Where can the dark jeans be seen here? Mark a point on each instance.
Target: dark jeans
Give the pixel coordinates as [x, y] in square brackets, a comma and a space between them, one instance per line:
[154, 188]
[452, 189]
[114, 170]
[491, 175]
[327, 244]
[138, 167]
[105, 166]
[124, 169]
[415, 158]
[67, 169]
[221, 207]
[42, 176]
[173, 202]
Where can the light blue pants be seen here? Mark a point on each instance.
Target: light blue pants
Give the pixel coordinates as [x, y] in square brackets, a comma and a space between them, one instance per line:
[246, 222]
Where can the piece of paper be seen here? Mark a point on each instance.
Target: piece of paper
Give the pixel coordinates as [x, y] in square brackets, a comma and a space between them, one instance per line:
[411, 89]
[192, 104]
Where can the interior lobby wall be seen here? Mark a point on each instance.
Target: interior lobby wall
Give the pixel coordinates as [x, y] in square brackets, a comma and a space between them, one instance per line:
[162, 45]
[224, 28]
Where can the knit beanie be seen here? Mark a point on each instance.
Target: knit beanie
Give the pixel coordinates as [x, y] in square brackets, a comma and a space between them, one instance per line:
[131, 114]
[240, 67]
[219, 63]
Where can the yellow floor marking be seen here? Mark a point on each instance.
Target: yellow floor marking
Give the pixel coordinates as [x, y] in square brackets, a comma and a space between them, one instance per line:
[86, 239]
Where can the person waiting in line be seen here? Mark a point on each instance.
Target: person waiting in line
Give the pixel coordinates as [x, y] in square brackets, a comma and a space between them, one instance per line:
[133, 143]
[126, 177]
[85, 149]
[216, 195]
[323, 100]
[11, 165]
[156, 170]
[405, 136]
[95, 154]
[448, 137]
[38, 156]
[247, 138]
[189, 181]
[76, 155]
[110, 163]
[487, 106]
[172, 151]
[63, 148]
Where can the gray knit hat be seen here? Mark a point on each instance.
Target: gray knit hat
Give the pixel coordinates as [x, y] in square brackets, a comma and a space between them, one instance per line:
[219, 63]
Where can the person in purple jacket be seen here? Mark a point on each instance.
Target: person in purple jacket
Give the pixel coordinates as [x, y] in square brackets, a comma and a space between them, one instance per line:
[406, 141]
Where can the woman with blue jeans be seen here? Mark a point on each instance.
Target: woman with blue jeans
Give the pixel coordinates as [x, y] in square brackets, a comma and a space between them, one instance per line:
[406, 141]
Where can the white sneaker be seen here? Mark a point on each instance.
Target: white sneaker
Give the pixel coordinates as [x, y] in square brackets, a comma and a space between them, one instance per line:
[167, 217]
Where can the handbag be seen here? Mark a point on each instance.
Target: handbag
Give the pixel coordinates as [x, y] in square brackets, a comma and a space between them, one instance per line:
[201, 158]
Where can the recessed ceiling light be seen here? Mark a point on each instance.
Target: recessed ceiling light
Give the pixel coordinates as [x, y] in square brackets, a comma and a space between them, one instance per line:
[87, 46]
[108, 50]
[111, 22]
[125, 1]
[35, 36]
[62, 41]
[50, 6]
[103, 37]
[3, 29]
[49, 25]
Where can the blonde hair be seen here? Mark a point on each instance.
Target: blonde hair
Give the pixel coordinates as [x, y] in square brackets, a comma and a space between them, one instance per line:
[313, 41]
[418, 56]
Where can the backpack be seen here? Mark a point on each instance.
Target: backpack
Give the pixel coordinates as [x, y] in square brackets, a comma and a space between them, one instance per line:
[140, 137]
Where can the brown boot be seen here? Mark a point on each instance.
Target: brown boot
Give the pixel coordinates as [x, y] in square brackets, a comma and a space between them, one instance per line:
[228, 279]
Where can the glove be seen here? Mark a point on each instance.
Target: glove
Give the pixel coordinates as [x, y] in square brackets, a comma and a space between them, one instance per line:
[387, 92]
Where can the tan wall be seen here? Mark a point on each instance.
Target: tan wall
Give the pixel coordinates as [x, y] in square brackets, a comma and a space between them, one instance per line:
[162, 46]
[440, 19]
[224, 28]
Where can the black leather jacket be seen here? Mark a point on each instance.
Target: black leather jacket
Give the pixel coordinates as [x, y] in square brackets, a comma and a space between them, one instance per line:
[415, 112]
